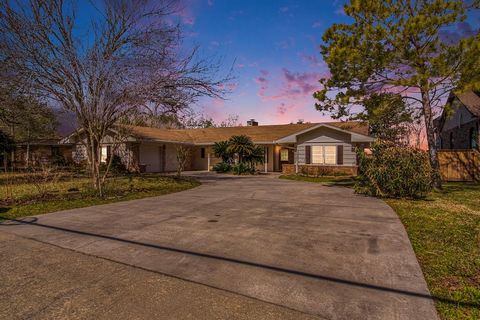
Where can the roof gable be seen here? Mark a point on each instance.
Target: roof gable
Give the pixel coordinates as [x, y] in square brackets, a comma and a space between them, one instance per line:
[469, 99]
[355, 136]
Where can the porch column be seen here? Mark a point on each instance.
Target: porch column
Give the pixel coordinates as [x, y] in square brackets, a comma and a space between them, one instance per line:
[265, 156]
[208, 161]
[296, 161]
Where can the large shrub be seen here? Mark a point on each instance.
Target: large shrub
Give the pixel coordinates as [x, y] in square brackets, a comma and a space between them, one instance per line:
[222, 167]
[249, 154]
[393, 171]
[221, 150]
[241, 168]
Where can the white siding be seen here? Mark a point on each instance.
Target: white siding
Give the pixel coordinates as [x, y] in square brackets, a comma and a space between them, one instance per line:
[327, 137]
[150, 156]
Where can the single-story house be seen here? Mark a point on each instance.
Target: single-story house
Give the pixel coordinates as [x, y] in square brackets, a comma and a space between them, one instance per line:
[458, 126]
[305, 147]
[42, 151]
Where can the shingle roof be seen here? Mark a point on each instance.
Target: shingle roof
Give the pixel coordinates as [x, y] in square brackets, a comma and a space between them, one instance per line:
[471, 101]
[267, 133]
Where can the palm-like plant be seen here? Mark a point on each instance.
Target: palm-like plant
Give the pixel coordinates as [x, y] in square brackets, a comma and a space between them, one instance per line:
[221, 150]
[241, 145]
[256, 155]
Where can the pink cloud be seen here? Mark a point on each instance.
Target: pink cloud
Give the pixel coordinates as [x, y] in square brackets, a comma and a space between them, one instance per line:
[313, 60]
[292, 96]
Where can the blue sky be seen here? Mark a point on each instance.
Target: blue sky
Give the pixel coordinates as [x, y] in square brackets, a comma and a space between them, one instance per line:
[274, 46]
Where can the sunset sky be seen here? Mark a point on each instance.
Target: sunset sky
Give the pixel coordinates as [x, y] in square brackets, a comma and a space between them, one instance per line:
[274, 49]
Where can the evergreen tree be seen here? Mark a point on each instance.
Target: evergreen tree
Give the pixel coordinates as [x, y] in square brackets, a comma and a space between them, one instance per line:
[398, 46]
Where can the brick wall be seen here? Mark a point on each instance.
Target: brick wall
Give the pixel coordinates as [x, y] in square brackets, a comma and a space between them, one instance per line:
[317, 170]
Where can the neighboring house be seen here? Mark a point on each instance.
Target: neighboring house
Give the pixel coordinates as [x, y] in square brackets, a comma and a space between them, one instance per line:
[42, 151]
[291, 147]
[458, 126]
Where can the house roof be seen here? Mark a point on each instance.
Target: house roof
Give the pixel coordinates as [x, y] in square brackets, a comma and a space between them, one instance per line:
[259, 134]
[471, 101]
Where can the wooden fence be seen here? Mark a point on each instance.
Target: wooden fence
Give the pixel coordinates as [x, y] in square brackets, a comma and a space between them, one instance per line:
[459, 165]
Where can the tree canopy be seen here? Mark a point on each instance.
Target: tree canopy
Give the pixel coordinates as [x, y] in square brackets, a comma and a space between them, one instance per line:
[388, 117]
[399, 47]
[128, 57]
[25, 118]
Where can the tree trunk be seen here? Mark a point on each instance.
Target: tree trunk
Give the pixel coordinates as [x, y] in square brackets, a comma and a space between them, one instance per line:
[94, 149]
[430, 132]
[28, 154]
[12, 153]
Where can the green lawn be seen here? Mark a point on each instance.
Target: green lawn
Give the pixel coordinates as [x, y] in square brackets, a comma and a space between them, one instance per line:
[445, 233]
[444, 230]
[21, 195]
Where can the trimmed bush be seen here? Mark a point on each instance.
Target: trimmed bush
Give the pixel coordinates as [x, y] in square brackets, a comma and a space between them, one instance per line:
[222, 167]
[393, 171]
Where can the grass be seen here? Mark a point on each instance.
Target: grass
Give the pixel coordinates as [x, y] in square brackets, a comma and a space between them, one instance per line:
[444, 230]
[25, 195]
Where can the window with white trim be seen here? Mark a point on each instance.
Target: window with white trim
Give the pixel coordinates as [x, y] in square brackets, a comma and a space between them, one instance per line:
[324, 154]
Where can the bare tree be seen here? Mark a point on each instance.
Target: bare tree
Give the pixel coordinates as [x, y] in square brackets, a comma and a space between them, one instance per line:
[183, 153]
[129, 57]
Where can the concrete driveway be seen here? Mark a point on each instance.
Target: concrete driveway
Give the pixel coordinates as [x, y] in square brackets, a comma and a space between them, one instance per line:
[315, 249]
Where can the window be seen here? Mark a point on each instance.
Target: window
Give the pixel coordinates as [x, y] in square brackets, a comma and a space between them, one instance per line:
[284, 155]
[330, 153]
[317, 154]
[324, 154]
[202, 153]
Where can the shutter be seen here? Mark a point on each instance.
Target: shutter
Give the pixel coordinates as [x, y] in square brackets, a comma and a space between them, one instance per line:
[291, 156]
[340, 154]
[308, 153]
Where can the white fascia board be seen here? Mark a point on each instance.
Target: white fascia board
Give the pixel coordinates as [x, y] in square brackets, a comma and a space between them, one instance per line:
[356, 137]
